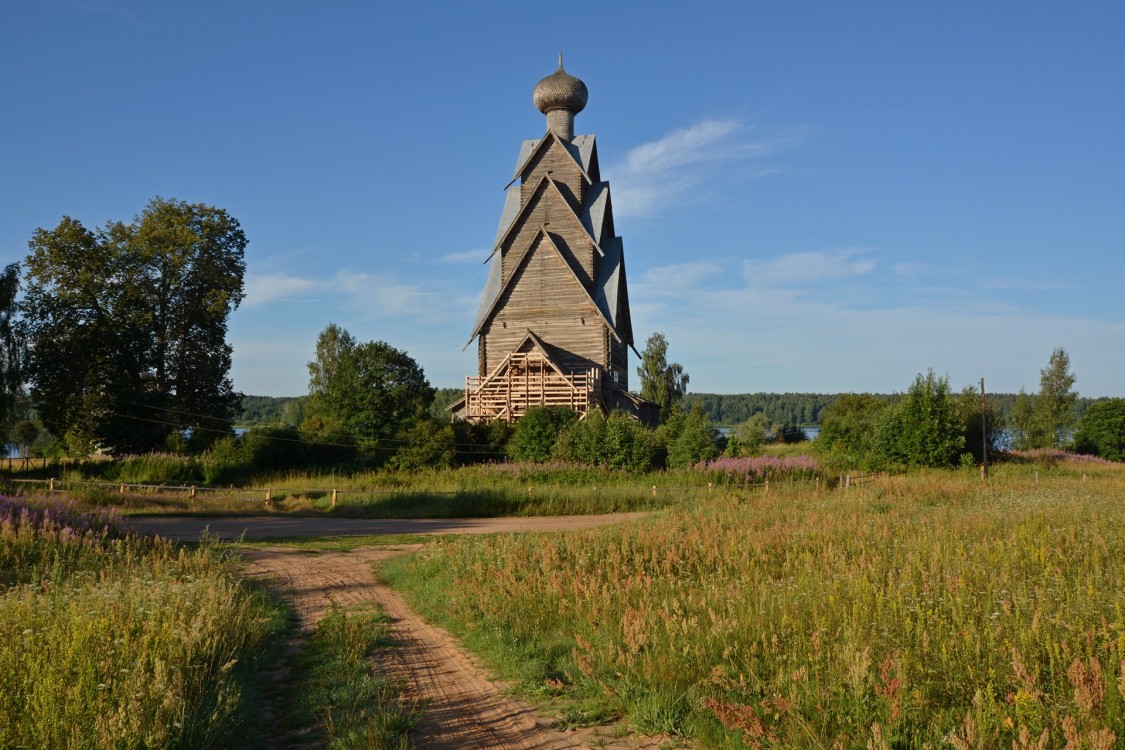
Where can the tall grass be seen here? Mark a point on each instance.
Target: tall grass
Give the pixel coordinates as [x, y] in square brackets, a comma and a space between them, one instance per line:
[920, 611]
[113, 641]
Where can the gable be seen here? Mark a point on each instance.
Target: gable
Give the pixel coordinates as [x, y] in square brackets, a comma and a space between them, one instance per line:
[544, 286]
[552, 278]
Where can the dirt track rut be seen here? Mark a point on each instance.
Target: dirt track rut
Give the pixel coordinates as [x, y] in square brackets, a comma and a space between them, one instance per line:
[465, 708]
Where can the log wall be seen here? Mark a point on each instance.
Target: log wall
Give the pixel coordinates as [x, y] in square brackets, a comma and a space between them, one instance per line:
[545, 298]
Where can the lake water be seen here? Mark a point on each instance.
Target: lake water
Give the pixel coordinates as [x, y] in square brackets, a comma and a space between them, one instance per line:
[811, 431]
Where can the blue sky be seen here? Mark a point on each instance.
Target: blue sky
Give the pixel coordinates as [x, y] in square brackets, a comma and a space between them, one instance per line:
[813, 196]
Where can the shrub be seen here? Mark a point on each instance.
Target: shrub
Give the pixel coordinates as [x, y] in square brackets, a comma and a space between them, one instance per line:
[848, 430]
[424, 444]
[537, 430]
[1101, 431]
[924, 429]
[615, 442]
[690, 438]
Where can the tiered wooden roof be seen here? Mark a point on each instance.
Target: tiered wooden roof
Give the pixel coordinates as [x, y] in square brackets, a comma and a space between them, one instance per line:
[557, 267]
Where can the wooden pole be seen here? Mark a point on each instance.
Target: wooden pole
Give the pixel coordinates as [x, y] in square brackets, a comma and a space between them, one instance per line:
[333, 498]
[983, 433]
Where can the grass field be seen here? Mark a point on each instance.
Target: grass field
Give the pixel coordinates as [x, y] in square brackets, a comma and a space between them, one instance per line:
[111, 641]
[474, 491]
[929, 610]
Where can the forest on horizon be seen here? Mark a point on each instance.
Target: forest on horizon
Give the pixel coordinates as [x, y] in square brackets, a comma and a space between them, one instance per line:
[795, 409]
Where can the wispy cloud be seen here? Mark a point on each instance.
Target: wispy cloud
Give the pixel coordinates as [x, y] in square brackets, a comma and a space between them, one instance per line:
[266, 288]
[468, 256]
[803, 268]
[679, 275]
[657, 174]
[369, 293]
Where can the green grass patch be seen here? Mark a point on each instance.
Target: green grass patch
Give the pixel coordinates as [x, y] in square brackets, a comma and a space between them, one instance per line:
[340, 692]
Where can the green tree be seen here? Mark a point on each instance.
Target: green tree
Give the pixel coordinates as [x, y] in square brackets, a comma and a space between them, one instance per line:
[1101, 431]
[690, 438]
[1057, 398]
[924, 429]
[127, 326]
[367, 390]
[615, 442]
[534, 436]
[425, 443]
[11, 348]
[25, 432]
[749, 436]
[662, 382]
[1027, 429]
[849, 427]
[331, 345]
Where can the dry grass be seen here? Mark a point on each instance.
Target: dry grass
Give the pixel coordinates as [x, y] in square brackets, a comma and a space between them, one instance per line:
[915, 611]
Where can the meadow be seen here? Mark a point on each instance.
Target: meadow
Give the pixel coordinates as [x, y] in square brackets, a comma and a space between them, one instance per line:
[498, 489]
[923, 610]
[108, 640]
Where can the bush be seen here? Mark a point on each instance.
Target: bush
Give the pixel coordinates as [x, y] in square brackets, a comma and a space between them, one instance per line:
[1101, 431]
[424, 444]
[614, 442]
[848, 429]
[537, 430]
[924, 429]
[690, 438]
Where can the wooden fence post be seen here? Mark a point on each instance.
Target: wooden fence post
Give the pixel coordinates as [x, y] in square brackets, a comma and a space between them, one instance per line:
[848, 480]
[1036, 477]
[767, 486]
[333, 498]
[709, 488]
[51, 491]
[121, 489]
[654, 490]
[269, 494]
[193, 492]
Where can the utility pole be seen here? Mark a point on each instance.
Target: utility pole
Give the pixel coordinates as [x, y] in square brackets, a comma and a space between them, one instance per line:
[983, 433]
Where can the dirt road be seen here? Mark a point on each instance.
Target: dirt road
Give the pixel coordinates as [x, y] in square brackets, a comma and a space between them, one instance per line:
[189, 528]
[466, 709]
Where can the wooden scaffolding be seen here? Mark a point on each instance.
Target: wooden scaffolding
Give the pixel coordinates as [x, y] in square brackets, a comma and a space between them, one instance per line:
[526, 379]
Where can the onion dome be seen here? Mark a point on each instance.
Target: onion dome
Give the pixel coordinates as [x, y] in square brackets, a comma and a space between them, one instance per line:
[560, 90]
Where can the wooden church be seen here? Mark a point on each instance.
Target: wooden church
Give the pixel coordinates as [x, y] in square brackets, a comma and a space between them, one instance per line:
[553, 327]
